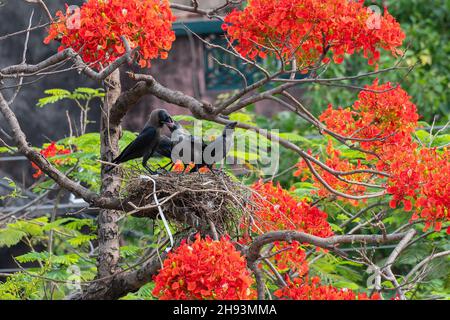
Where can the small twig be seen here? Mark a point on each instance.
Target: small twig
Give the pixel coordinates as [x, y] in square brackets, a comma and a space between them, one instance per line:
[161, 213]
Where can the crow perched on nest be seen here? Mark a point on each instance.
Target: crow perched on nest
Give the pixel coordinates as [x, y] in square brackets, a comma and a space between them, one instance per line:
[147, 143]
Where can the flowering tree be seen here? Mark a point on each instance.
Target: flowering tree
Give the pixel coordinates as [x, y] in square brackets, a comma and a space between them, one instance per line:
[370, 159]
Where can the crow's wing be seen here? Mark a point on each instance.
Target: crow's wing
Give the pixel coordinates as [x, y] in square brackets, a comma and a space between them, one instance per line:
[138, 147]
[164, 148]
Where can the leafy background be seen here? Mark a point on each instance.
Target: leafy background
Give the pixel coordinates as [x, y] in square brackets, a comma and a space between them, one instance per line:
[72, 254]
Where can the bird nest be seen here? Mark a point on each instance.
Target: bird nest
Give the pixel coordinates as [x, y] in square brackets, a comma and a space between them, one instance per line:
[209, 202]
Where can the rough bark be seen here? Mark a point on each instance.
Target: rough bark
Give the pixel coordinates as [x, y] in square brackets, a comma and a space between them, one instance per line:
[108, 230]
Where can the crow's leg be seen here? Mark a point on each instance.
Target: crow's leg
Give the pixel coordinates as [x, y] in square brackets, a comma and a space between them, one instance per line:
[212, 169]
[193, 169]
[171, 166]
[144, 163]
[149, 170]
[160, 169]
[166, 165]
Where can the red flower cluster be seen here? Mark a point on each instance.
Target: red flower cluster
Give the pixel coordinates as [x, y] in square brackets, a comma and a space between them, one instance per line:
[384, 114]
[205, 270]
[419, 179]
[335, 161]
[276, 209]
[144, 23]
[50, 151]
[383, 119]
[305, 28]
[305, 289]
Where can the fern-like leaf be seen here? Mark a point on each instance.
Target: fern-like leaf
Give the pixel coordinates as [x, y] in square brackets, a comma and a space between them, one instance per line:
[10, 237]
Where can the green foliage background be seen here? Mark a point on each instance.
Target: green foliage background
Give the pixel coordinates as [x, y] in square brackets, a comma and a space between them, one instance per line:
[426, 25]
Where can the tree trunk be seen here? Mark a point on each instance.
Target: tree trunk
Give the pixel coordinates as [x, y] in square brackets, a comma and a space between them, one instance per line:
[108, 230]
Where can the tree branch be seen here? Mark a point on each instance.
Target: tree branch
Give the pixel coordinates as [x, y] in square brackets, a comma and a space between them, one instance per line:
[253, 251]
[61, 179]
[24, 70]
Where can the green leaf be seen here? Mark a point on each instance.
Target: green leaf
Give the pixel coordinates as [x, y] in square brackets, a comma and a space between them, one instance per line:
[90, 92]
[89, 142]
[342, 217]
[247, 156]
[346, 284]
[10, 237]
[126, 139]
[351, 154]
[335, 227]
[32, 257]
[54, 95]
[184, 117]
[57, 92]
[305, 185]
[32, 227]
[14, 193]
[424, 136]
[293, 137]
[8, 150]
[441, 140]
[242, 117]
[129, 251]
[81, 239]
[77, 224]
[66, 259]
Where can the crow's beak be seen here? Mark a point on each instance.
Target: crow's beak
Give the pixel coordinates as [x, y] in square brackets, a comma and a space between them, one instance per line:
[170, 124]
[232, 125]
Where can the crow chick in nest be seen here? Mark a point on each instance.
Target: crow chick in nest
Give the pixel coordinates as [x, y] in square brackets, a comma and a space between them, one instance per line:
[190, 149]
[218, 149]
[186, 147]
[146, 143]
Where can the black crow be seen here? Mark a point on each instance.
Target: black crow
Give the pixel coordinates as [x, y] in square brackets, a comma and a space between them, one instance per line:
[218, 149]
[147, 142]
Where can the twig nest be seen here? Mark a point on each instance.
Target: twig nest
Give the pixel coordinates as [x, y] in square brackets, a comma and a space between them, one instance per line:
[204, 201]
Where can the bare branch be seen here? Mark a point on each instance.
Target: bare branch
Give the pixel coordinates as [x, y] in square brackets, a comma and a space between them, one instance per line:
[61, 179]
[253, 251]
[393, 256]
[423, 263]
[23, 70]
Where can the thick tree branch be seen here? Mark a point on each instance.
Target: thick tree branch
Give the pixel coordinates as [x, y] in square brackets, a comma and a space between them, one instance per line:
[123, 282]
[198, 108]
[253, 251]
[210, 13]
[24, 70]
